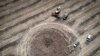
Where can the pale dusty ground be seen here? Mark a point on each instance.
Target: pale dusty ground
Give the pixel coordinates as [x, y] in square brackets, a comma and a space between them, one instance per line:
[20, 18]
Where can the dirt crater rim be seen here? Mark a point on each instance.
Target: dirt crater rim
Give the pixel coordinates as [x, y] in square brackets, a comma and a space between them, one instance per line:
[47, 42]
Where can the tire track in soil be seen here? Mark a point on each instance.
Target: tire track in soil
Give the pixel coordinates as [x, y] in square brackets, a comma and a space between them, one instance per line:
[21, 13]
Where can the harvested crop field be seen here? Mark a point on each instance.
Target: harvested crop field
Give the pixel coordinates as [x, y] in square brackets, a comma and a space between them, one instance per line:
[27, 28]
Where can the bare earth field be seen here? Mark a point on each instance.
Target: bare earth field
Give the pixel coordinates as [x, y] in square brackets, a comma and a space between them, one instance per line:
[28, 29]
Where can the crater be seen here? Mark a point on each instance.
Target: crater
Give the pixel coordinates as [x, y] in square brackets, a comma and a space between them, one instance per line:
[50, 42]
